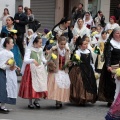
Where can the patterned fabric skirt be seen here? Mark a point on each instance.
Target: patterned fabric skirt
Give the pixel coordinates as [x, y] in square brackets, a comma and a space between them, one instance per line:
[3, 89]
[114, 112]
[59, 86]
[78, 92]
[26, 90]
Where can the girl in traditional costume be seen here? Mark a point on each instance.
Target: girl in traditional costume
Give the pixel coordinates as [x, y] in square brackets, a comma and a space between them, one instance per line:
[8, 78]
[58, 78]
[34, 79]
[83, 87]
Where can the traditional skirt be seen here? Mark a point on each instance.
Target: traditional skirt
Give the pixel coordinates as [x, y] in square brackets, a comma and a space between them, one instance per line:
[3, 89]
[114, 112]
[106, 90]
[26, 90]
[59, 86]
[78, 93]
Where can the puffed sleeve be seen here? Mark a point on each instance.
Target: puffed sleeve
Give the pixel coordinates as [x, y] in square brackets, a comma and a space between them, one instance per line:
[3, 61]
[27, 58]
[78, 52]
[43, 58]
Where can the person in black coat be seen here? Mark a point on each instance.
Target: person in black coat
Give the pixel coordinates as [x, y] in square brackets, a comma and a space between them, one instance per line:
[107, 86]
[117, 13]
[20, 21]
[79, 12]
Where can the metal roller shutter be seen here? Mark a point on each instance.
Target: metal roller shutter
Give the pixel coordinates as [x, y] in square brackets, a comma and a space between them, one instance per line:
[44, 11]
[113, 5]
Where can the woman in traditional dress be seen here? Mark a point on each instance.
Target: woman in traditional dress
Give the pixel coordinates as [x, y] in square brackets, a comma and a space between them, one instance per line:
[9, 31]
[107, 86]
[83, 87]
[61, 29]
[34, 79]
[9, 26]
[88, 20]
[80, 29]
[58, 79]
[8, 78]
[112, 24]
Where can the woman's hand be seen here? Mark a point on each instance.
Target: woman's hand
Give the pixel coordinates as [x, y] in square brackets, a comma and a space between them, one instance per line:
[109, 69]
[36, 63]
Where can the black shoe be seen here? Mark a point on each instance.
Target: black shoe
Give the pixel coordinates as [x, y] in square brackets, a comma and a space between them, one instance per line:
[5, 111]
[58, 106]
[109, 104]
[37, 105]
[31, 106]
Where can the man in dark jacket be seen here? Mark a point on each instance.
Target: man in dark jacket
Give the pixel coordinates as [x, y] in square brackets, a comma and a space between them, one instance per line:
[117, 13]
[80, 12]
[20, 20]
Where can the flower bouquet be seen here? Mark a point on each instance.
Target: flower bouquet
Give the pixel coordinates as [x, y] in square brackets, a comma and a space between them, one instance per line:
[118, 73]
[52, 42]
[76, 59]
[51, 66]
[11, 62]
[49, 35]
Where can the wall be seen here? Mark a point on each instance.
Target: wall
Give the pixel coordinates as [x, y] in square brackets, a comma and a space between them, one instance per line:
[59, 10]
[105, 8]
[26, 3]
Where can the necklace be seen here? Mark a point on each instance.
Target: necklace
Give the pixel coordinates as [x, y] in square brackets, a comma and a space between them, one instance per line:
[9, 28]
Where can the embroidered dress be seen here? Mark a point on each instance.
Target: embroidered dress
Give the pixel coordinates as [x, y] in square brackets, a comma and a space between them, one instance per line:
[34, 79]
[83, 87]
[59, 82]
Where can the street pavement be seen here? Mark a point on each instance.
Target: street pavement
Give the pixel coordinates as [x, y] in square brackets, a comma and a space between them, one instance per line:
[48, 111]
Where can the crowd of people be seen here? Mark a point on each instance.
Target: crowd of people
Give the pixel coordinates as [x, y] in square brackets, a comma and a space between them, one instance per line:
[61, 64]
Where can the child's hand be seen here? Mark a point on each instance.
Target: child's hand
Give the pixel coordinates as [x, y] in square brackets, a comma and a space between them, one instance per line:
[36, 63]
[17, 68]
[69, 63]
[12, 68]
